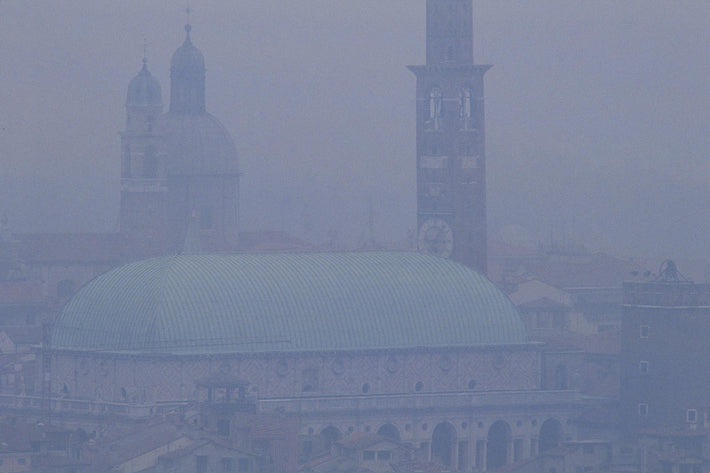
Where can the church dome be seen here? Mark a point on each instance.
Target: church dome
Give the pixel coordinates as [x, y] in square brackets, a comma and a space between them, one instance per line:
[251, 303]
[197, 145]
[187, 57]
[144, 89]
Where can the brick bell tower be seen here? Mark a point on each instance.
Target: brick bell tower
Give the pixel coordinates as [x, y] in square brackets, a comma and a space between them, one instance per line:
[451, 164]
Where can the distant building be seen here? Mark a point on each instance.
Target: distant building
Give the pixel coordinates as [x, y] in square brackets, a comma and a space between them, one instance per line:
[179, 169]
[666, 328]
[410, 346]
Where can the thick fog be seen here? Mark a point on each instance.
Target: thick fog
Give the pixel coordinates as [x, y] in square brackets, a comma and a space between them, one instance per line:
[597, 131]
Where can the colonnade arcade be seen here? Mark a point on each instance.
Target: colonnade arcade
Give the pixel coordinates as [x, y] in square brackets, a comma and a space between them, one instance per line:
[485, 449]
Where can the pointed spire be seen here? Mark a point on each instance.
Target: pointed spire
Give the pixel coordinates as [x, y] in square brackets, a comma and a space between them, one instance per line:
[145, 55]
[188, 27]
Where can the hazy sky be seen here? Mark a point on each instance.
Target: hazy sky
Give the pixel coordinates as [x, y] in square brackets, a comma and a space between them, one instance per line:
[598, 113]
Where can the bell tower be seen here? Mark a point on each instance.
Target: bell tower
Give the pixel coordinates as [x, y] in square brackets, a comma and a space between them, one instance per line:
[451, 164]
[143, 183]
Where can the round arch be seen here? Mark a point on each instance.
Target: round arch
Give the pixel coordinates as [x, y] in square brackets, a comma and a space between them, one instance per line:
[550, 434]
[389, 431]
[498, 445]
[328, 436]
[443, 440]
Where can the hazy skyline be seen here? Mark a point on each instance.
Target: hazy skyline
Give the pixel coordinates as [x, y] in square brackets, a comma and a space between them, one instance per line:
[597, 114]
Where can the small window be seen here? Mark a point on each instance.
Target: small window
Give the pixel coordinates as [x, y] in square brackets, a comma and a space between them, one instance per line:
[21, 461]
[419, 386]
[310, 380]
[472, 384]
[223, 427]
[643, 367]
[643, 409]
[643, 332]
[692, 416]
[201, 463]
[368, 455]
[588, 449]
[384, 455]
[227, 465]
[150, 163]
[365, 388]
[244, 465]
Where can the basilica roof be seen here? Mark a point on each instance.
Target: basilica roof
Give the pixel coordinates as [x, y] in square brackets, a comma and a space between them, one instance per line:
[287, 302]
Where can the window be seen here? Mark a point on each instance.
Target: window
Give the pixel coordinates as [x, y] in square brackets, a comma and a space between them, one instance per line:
[21, 461]
[435, 103]
[463, 456]
[384, 455]
[227, 465]
[560, 377]
[480, 448]
[643, 331]
[692, 416]
[201, 463]
[517, 450]
[643, 367]
[368, 455]
[150, 163]
[244, 465]
[588, 449]
[466, 108]
[223, 427]
[643, 409]
[365, 388]
[310, 380]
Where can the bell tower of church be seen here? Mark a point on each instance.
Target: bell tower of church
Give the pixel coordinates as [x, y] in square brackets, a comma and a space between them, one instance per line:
[143, 183]
[451, 164]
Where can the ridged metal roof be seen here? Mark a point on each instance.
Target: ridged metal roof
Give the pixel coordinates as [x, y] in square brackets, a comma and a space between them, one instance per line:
[287, 302]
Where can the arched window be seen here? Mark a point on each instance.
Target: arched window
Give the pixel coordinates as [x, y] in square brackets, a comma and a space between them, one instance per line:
[466, 108]
[126, 162]
[389, 431]
[498, 445]
[150, 163]
[328, 436]
[443, 440]
[550, 434]
[435, 108]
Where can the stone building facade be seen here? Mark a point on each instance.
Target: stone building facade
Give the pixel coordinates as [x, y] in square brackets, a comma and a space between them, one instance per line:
[411, 346]
[659, 317]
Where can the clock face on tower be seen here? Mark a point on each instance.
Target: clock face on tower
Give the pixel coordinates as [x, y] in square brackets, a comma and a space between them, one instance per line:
[436, 238]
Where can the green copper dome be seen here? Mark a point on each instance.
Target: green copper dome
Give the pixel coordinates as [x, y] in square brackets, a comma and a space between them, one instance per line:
[247, 303]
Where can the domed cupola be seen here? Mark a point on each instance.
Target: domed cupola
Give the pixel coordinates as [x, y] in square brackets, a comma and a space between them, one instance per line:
[187, 78]
[144, 89]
